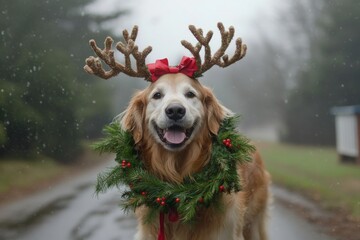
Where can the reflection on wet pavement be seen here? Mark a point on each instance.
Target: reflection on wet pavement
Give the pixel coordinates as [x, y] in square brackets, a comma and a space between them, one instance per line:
[108, 218]
[11, 228]
[74, 217]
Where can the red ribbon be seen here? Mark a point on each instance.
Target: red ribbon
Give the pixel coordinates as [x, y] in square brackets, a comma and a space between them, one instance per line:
[187, 66]
[161, 234]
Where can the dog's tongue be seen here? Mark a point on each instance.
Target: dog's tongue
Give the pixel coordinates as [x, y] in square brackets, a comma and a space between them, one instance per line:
[174, 136]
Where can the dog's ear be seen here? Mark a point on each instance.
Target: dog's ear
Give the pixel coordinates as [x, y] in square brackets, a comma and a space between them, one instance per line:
[214, 111]
[133, 117]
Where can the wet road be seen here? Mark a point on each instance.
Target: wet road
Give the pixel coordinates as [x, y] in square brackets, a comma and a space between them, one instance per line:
[70, 211]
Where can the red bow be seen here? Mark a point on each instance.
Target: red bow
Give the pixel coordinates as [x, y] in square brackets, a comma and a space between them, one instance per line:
[187, 66]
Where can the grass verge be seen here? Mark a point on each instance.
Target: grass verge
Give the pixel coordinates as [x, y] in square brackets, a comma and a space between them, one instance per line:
[20, 177]
[316, 172]
[18, 173]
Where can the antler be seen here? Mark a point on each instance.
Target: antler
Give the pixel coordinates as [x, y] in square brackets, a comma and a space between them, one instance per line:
[219, 58]
[94, 66]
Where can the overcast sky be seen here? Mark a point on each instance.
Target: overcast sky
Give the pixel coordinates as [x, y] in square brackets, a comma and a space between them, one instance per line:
[164, 23]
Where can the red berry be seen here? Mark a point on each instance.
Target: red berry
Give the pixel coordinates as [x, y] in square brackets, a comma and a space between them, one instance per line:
[158, 200]
[162, 203]
[230, 145]
[221, 188]
[128, 164]
[201, 200]
[143, 193]
[177, 200]
[163, 198]
[123, 161]
[224, 141]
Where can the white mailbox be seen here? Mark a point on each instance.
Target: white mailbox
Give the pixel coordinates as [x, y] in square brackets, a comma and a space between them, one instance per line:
[347, 127]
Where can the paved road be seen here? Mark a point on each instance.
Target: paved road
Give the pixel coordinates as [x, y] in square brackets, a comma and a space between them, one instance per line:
[70, 211]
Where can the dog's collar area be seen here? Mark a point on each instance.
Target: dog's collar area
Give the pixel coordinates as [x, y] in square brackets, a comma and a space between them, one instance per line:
[174, 136]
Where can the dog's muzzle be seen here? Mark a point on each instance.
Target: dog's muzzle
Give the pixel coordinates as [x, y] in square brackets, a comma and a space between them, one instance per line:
[174, 136]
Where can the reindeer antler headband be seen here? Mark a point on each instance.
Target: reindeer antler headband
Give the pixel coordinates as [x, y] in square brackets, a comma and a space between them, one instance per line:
[192, 67]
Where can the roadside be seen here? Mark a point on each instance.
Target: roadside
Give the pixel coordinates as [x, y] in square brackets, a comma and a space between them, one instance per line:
[334, 223]
[43, 174]
[318, 187]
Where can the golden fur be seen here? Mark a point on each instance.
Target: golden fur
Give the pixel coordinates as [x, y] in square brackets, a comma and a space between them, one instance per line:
[244, 214]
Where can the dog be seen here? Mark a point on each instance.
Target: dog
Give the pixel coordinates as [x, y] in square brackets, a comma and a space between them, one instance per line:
[172, 122]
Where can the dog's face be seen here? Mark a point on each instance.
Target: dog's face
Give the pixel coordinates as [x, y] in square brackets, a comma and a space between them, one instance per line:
[173, 111]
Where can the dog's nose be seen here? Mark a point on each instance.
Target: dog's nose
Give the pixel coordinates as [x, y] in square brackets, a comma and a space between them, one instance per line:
[175, 111]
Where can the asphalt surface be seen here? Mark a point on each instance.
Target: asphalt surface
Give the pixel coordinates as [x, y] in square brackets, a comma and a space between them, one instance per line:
[71, 211]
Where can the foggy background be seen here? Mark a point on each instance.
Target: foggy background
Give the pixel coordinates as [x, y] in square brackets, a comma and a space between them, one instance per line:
[302, 59]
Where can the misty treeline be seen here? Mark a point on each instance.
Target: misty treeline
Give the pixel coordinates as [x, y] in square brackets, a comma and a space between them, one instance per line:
[47, 103]
[331, 73]
[291, 81]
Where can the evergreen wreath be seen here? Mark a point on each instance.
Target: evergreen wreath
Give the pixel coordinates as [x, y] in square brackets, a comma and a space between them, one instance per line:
[202, 189]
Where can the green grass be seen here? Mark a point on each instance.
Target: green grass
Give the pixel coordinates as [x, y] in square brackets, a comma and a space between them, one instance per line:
[317, 172]
[17, 173]
[23, 176]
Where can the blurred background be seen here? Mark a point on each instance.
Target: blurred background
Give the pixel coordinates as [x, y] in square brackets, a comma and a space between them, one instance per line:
[302, 60]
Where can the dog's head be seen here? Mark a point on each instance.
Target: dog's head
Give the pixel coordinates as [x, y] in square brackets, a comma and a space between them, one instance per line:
[174, 111]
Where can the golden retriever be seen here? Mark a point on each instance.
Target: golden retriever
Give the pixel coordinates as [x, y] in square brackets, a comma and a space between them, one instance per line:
[172, 122]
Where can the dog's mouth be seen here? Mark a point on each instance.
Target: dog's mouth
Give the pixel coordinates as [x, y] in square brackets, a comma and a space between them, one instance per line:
[175, 135]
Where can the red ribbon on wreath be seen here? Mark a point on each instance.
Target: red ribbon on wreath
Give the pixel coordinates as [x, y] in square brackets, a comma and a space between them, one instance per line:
[187, 66]
[161, 234]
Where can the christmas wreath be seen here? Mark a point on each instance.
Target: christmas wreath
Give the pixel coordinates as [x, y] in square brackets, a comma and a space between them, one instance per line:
[202, 189]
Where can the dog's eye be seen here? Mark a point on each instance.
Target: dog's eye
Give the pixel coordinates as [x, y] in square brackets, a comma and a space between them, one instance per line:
[157, 95]
[190, 95]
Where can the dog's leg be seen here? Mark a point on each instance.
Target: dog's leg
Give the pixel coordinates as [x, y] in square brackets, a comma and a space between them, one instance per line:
[139, 236]
[248, 232]
[239, 236]
[261, 226]
[144, 233]
[257, 229]
[238, 233]
[263, 216]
